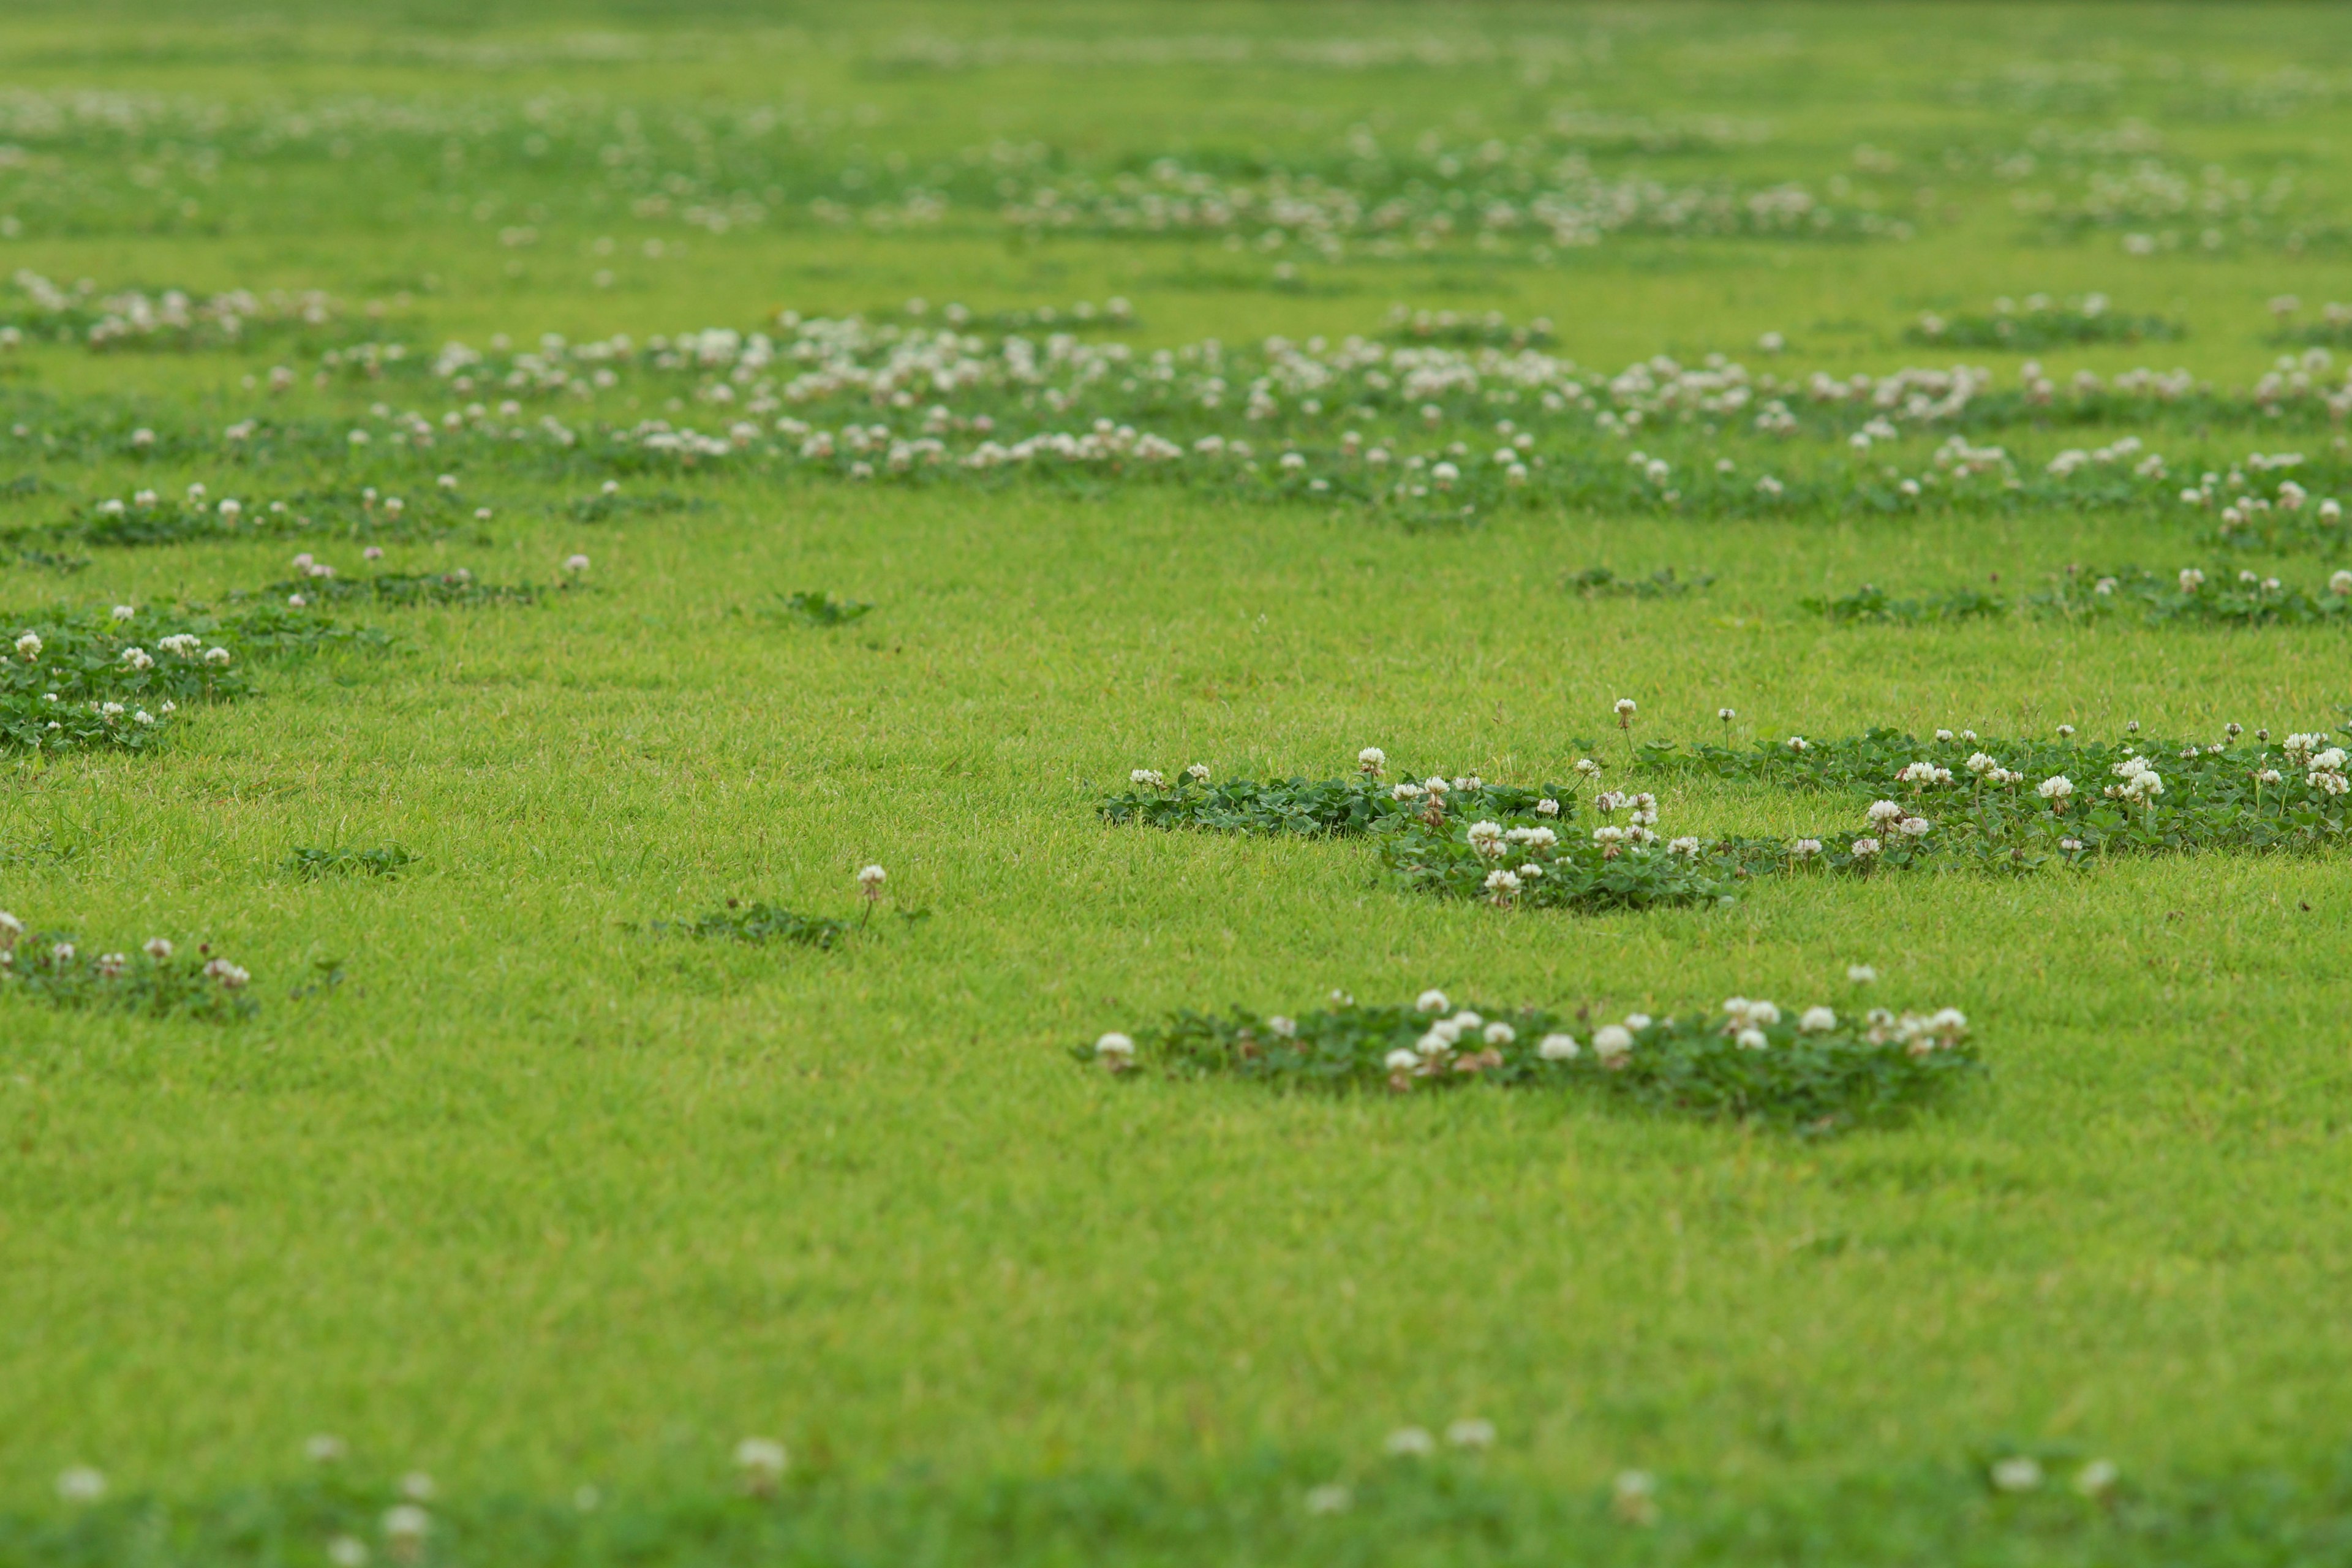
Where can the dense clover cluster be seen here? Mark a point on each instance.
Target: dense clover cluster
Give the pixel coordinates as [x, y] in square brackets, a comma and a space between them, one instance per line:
[1814, 1071]
[158, 981]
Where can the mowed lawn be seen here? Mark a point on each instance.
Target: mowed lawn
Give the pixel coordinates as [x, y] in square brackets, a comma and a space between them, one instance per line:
[540, 1197]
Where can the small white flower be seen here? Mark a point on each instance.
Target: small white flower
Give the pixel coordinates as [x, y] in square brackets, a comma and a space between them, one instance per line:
[1727, 714]
[1282, 1027]
[1805, 848]
[320, 1448]
[1547, 807]
[1611, 1043]
[1588, 767]
[1860, 974]
[1558, 1048]
[1401, 1060]
[216, 655]
[2097, 1478]
[871, 877]
[1471, 1434]
[28, 648]
[1816, 1021]
[1432, 1002]
[82, 1484]
[1411, 1442]
[1148, 777]
[125, 611]
[2058, 786]
[1198, 772]
[1625, 708]
[1331, 1499]
[1115, 1044]
[406, 1524]
[1372, 760]
[1865, 847]
[1884, 811]
[347, 1552]
[1686, 846]
[575, 564]
[1750, 1040]
[1798, 743]
[2020, 1474]
[761, 1463]
[1500, 1034]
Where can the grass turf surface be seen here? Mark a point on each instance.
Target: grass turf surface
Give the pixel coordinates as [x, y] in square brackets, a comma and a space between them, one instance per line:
[538, 1198]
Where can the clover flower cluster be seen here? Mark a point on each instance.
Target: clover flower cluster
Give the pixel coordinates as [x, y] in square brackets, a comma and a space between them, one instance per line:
[157, 981]
[1814, 1071]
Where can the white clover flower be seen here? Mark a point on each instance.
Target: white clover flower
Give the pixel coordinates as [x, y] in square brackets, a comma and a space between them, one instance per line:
[406, 1524]
[1487, 837]
[1607, 836]
[1612, 1043]
[1588, 767]
[323, 1447]
[1432, 1002]
[1499, 1033]
[1116, 1046]
[11, 927]
[1148, 777]
[1331, 1497]
[125, 611]
[138, 658]
[1464, 1021]
[1198, 772]
[82, 1484]
[871, 877]
[1547, 807]
[216, 655]
[2191, 579]
[1372, 760]
[1405, 792]
[1763, 1014]
[2058, 786]
[1750, 1040]
[575, 564]
[1558, 1048]
[1727, 714]
[2097, 1478]
[62, 952]
[1637, 1021]
[2020, 1474]
[28, 648]
[1816, 1021]
[228, 974]
[1798, 743]
[1471, 1434]
[1282, 1027]
[1683, 845]
[1401, 1060]
[761, 1463]
[142, 717]
[1914, 826]
[1980, 764]
[1410, 1443]
[2268, 776]
[1865, 847]
[1884, 811]
[1625, 708]
[347, 1552]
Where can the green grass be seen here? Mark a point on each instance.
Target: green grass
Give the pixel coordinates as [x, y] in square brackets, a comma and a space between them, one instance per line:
[538, 1197]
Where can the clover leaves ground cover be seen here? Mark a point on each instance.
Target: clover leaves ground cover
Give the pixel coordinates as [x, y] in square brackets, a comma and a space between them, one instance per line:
[1955, 799]
[1814, 1071]
[160, 979]
[2187, 597]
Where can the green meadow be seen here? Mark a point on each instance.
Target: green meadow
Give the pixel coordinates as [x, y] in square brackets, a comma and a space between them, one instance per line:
[491, 1205]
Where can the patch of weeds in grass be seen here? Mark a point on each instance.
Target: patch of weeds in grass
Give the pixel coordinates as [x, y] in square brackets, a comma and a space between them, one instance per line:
[2042, 324]
[760, 921]
[2026, 803]
[1875, 606]
[611, 502]
[1466, 328]
[815, 607]
[1334, 807]
[1601, 583]
[321, 585]
[2190, 597]
[1815, 1072]
[79, 679]
[387, 860]
[155, 982]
